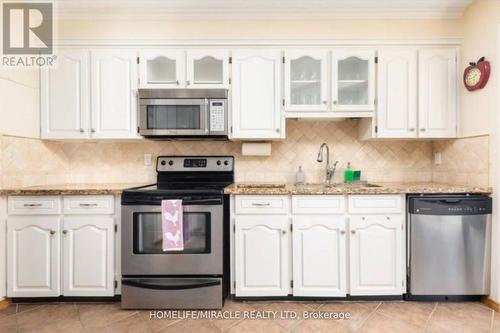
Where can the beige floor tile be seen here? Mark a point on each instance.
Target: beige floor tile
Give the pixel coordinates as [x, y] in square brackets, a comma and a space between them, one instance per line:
[191, 326]
[23, 307]
[279, 308]
[132, 324]
[155, 324]
[256, 326]
[358, 311]
[460, 317]
[378, 323]
[231, 306]
[413, 313]
[8, 324]
[320, 326]
[496, 322]
[54, 317]
[101, 314]
[9, 310]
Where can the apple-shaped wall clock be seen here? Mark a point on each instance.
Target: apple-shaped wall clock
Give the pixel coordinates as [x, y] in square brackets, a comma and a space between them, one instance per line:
[477, 74]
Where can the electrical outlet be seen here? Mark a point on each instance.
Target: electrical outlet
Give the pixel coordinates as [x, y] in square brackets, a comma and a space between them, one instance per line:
[438, 158]
[147, 159]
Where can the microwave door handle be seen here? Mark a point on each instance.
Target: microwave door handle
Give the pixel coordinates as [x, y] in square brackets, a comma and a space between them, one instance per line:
[202, 202]
[199, 284]
[207, 117]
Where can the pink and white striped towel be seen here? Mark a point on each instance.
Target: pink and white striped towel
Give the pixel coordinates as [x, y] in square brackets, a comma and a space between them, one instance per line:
[172, 225]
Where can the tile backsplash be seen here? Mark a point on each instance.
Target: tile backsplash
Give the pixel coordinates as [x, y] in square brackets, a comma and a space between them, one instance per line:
[26, 162]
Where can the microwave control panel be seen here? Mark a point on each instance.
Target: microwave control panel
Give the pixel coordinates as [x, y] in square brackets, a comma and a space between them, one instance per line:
[217, 116]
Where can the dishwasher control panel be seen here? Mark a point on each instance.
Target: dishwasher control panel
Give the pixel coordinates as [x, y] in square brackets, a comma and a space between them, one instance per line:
[450, 205]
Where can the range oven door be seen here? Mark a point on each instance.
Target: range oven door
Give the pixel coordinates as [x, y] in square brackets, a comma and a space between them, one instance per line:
[142, 252]
[173, 117]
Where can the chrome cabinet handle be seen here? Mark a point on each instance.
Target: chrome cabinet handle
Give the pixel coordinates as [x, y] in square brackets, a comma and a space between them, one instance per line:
[277, 130]
[82, 130]
[422, 130]
[334, 102]
[188, 83]
[283, 232]
[324, 102]
[52, 232]
[92, 130]
[353, 232]
[258, 204]
[412, 129]
[32, 205]
[177, 82]
[65, 232]
[88, 205]
[342, 232]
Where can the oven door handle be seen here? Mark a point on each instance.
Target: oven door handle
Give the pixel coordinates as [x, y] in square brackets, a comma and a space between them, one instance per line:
[193, 285]
[202, 202]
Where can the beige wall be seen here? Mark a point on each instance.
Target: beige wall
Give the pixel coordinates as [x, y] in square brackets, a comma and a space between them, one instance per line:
[28, 162]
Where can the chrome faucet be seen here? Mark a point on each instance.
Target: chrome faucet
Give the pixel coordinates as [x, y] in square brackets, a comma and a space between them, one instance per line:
[330, 169]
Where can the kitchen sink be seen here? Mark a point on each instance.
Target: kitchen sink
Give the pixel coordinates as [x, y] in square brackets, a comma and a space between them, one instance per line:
[260, 185]
[337, 185]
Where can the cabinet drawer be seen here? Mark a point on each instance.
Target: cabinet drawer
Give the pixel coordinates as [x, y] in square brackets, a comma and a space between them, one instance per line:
[29, 205]
[374, 204]
[318, 204]
[261, 204]
[103, 204]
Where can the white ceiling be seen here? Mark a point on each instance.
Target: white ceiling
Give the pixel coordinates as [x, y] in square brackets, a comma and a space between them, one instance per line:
[260, 9]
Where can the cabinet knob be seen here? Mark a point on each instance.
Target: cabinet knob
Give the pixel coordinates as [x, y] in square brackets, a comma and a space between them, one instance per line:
[65, 232]
[422, 130]
[342, 232]
[363, 218]
[52, 232]
[277, 130]
[388, 218]
[82, 130]
[92, 130]
[188, 83]
[412, 130]
[283, 232]
[334, 102]
[353, 232]
[324, 102]
[177, 82]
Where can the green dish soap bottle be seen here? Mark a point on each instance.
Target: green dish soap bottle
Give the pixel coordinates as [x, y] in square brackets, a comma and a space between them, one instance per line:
[348, 173]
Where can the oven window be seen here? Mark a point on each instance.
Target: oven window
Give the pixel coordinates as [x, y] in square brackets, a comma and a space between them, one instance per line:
[148, 233]
[173, 116]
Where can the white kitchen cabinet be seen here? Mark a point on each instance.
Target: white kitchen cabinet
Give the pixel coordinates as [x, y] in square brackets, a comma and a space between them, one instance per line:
[88, 252]
[162, 68]
[437, 86]
[65, 96]
[306, 81]
[256, 95]
[376, 255]
[207, 68]
[33, 256]
[3, 247]
[319, 256]
[353, 80]
[262, 255]
[114, 94]
[397, 93]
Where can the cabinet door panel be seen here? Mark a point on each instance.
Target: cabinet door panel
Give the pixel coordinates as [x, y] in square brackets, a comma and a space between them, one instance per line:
[256, 94]
[162, 69]
[207, 68]
[114, 94]
[64, 96]
[376, 252]
[319, 263]
[437, 93]
[306, 80]
[353, 80]
[261, 255]
[33, 262]
[397, 94]
[88, 270]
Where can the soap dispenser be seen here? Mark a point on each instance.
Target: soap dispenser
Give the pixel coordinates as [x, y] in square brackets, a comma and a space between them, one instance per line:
[300, 176]
[348, 173]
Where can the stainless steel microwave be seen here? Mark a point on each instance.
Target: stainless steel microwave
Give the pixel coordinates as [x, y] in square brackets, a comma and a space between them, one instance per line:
[183, 113]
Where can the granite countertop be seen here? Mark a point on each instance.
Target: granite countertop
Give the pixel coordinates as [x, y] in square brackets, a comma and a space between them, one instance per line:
[380, 188]
[70, 189]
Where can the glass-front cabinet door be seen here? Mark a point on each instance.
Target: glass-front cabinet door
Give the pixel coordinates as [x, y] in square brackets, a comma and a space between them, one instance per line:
[306, 80]
[207, 68]
[353, 78]
[162, 69]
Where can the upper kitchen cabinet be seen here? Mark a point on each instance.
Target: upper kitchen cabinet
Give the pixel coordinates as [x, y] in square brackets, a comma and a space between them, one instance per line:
[306, 80]
[397, 93]
[207, 68]
[353, 80]
[256, 95]
[437, 86]
[65, 96]
[162, 69]
[114, 94]
[90, 94]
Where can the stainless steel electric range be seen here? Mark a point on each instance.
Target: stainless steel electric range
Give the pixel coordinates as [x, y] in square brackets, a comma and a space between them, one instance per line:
[198, 276]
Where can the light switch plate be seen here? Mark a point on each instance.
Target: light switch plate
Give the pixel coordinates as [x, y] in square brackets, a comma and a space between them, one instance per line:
[147, 159]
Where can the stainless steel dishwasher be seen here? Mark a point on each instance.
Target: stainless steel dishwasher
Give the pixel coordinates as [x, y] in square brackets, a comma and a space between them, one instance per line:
[448, 247]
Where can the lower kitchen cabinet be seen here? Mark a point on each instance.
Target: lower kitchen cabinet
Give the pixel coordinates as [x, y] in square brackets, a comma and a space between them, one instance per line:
[319, 256]
[376, 255]
[262, 255]
[88, 256]
[33, 256]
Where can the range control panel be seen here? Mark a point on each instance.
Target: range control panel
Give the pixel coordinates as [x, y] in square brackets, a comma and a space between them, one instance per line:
[194, 163]
[452, 205]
